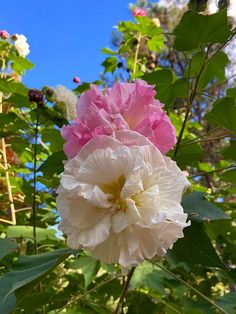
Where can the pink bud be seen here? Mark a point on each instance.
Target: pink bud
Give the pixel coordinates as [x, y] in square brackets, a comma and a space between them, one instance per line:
[139, 12]
[185, 173]
[76, 80]
[4, 34]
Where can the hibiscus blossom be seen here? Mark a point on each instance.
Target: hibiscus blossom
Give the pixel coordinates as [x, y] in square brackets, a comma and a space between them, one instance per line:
[124, 106]
[119, 198]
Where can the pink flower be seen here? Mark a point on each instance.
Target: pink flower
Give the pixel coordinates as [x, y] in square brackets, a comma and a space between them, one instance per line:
[4, 34]
[139, 12]
[125, 106]
[76, 80]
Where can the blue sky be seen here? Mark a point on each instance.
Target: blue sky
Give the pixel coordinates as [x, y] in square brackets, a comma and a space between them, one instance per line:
[65, 36]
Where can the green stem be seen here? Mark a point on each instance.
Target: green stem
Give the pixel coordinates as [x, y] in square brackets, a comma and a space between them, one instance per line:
[191, 287]
[136, 53]
[207, 139]
[35, 183]
[119, 308]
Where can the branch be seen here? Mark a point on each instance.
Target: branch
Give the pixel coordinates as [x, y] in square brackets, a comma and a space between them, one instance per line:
[119, 308]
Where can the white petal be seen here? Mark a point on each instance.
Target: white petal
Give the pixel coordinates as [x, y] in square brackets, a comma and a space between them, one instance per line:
[96, 234]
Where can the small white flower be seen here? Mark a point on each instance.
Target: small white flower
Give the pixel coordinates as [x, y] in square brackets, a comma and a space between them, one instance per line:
[122, 203]
[68, 98]
[21, 45]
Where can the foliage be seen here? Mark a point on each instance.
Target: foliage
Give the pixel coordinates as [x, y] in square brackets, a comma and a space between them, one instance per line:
[38, 273]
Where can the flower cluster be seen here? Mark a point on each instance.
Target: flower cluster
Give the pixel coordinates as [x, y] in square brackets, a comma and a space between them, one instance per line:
[120, 195]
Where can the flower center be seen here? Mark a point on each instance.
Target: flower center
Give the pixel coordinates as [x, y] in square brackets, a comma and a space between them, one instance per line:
[115, 189]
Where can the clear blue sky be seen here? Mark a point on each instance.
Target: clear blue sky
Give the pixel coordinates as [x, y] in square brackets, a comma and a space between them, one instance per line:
[65, 36]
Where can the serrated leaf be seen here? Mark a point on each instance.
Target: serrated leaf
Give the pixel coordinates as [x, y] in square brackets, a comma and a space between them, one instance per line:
[199, 208]
[7, 246]
[195, 248]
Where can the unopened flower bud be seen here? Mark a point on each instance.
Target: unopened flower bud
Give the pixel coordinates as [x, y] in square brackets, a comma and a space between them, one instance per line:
[36, 95]
[139, 12]
[4, 34]
[76, 80]
[49, 93]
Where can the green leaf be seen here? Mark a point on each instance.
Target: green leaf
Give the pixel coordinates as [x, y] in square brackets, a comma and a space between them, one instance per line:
[110, 64]
[230, 152]
[168, 89]
[223, 113]
[19, 101]
[19, 64]
[188, 155]
[127, 27]
[230, 176]
[84, 87]
[195, 29]
[227, 302]
[140, 303]
[53, 165]
[149, 276]
[156, 43]
[215, 68]
[7, 246]
[88, 265]
[10, 87]
[231, 92]
[195, 248]
[27, 232]
[199, 208]
[54, 137]
[108, 51]
[163, 80]
[26, 273]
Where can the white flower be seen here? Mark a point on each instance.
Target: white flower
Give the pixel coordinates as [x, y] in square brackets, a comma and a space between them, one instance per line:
[68, 98]
[21, 45]
[122, 203]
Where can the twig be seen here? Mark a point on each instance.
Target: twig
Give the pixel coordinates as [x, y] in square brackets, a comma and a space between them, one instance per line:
[203, 135]
[207, 139]
[119, 308]
[212, 171]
